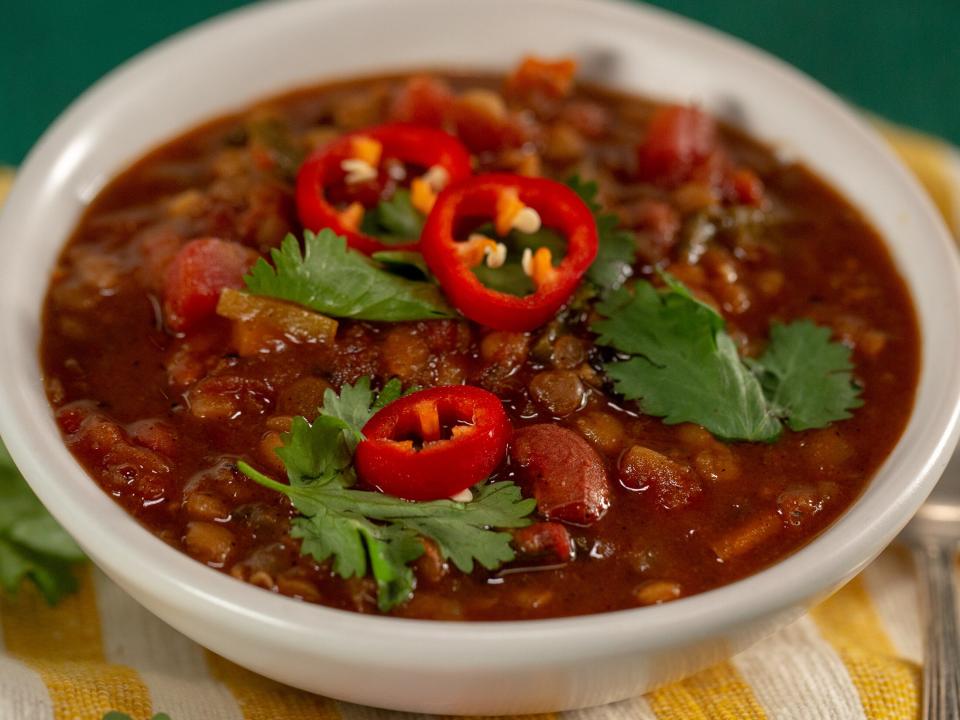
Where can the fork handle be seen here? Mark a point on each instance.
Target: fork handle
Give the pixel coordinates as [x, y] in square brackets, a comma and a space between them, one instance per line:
[941, 667]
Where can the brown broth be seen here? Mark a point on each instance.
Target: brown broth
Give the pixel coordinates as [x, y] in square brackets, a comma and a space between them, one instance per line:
[104, 345]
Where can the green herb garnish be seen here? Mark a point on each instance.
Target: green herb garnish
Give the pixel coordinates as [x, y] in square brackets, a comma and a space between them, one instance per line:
[684, 367]
[394, 220]
[617, 251]
[117, 715]
[408, 263]
[332, 279]
[32, 545]
[365, 532]
[806, 377]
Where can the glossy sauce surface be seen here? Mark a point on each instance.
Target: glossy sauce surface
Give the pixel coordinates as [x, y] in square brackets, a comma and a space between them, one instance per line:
[159, 419]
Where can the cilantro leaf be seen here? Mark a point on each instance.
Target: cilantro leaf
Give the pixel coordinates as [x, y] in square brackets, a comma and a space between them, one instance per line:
[318, 450]
[807, 378]
[355, 405]
[116, 715]
[684, 367]
[332, 279]
[407, 263]
[335, 517]
[617, 250]
[32, 545]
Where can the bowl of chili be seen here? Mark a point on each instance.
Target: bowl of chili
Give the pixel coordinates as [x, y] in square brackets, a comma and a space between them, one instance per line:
[561, 662]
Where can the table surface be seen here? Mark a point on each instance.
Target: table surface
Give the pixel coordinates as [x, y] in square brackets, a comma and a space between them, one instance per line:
[898, 59]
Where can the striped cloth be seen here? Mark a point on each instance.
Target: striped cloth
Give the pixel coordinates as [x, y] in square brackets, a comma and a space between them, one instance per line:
[856, 655]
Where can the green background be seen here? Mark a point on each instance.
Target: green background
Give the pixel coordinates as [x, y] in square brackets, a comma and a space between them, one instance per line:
[898, 58]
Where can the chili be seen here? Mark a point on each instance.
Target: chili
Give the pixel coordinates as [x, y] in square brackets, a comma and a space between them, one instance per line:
[501, 196]
[347, 157]
[434, 443]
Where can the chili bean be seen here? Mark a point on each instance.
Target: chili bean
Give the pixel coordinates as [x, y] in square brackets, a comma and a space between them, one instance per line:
[405, 354]
[208, 543]
[506, 349]
[280, 423]
[145, 473]
[264, 520]
[544, 540]
[769, 282]
[797, 505]
[269, 443]
[223, 478]
[564, 144]
[360, 109]
[263, 580]
[654, 592]
[717, 464]
[205, 506]
[562, 471]
[434, 606]
[227, 397]
[695, 436]
[157, 435]
[451, 370]
[559, 392]
[302, 397]
[568, 352]
[603, 430]
[827, 449]
[294, 584]
[744, 538]
[673, 485]
[532, 598]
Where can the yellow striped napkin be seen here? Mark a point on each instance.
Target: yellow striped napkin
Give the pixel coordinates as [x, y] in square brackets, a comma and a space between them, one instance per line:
[854, 656]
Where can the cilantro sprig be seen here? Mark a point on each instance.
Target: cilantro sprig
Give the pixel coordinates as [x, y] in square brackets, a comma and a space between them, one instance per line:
[684, 367]
[330, 278]
[617, 251]
[32, 545]
[362, 532]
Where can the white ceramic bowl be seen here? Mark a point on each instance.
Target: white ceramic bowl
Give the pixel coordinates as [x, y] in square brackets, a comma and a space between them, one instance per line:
[460, 667]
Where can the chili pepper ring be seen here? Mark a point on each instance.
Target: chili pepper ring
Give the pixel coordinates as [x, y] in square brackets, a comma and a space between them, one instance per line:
[434, 443]
[483, 196]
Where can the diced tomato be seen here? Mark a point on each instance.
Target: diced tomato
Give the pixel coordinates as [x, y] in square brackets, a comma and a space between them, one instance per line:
[197, 275]
[747, 187]
[483, 122]
[536, 76]
[424, 100]
[679, 137]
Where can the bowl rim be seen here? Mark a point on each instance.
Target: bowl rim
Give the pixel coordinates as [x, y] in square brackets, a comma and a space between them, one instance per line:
[832, 557]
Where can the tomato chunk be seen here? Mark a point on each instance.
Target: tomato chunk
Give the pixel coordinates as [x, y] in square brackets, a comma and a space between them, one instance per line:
[424, 100]
[679, 137]
[198, 274]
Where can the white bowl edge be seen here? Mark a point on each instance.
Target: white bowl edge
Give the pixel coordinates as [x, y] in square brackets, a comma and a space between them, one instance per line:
[634, 48]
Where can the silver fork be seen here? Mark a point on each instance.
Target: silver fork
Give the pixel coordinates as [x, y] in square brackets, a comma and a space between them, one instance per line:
[933, 535]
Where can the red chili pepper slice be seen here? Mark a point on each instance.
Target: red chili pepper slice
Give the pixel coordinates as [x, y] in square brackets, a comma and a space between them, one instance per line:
[415, 145]
[496, 195]
[434, 443]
